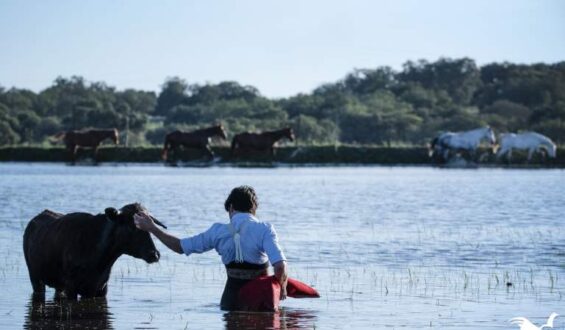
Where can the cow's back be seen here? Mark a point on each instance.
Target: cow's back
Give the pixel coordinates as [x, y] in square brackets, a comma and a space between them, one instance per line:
[37, 227]
[37, 251]
[47, 240]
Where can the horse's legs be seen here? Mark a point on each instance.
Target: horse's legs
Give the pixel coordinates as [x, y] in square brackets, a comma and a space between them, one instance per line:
[472, 154]
[234, 145]
[165, 148]
[530, 154]
[543, 153]
[509, 155]
[435, 155]
[446, 154]
[172, 149]
[500, 153]
[96, 154]
[73, 150]
[209, 151]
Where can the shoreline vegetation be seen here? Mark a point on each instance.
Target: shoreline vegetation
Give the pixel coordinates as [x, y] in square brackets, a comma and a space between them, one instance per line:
[372, 106]
[288, 155]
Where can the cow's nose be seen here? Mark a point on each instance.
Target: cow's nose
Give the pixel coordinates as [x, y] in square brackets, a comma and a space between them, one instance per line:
[153, 256]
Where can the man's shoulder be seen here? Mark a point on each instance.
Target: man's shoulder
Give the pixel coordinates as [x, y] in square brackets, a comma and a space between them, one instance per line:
[259, 224]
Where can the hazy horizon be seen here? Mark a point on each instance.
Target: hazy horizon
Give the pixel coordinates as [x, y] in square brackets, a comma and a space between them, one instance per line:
[281, 49]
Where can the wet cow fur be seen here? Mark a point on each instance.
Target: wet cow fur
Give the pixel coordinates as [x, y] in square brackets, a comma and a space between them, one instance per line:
[74, 253]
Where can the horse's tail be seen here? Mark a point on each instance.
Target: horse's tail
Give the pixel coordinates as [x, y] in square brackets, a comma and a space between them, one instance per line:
[57, 137]
[165, 148]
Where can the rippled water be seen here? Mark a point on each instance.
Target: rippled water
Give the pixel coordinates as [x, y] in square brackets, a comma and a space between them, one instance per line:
[385, 247]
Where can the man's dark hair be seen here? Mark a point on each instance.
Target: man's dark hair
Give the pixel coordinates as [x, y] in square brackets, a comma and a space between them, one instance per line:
[243, 199]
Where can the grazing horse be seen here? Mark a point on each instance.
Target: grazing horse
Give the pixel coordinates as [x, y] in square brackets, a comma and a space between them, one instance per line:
[528, 140]
[260, 141]
[198, 139]
[468, 141]
[86, 139]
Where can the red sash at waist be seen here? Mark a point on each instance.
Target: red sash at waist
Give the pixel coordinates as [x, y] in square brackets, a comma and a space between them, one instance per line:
[263, 293]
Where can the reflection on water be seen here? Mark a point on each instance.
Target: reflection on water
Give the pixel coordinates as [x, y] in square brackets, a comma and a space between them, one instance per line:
[385, 247]
[64, 314]
[285, 318]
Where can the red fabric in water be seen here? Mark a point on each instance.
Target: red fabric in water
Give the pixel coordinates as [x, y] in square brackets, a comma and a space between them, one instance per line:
[263, 293]
[297, 289]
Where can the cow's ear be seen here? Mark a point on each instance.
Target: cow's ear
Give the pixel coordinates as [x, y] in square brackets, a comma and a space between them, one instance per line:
[111, 213]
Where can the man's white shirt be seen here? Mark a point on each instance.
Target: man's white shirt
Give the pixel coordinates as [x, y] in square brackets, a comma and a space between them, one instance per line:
[259, 242]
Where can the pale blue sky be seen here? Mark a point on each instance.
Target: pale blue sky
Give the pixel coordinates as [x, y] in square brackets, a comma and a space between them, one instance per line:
[280, 47]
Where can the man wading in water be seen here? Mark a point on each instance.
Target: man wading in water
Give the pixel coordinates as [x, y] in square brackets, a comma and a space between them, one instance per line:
[246, 244]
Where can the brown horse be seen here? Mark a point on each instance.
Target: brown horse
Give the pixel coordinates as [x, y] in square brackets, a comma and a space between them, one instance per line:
[260, 141]
[86, 139]
[198, 139]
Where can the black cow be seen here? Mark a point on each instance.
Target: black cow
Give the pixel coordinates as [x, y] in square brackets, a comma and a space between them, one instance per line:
[74, 253]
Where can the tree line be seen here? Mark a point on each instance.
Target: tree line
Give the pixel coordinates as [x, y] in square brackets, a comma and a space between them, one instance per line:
[378, 106]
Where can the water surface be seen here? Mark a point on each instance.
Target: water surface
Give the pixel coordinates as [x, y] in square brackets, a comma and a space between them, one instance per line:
[385, 247]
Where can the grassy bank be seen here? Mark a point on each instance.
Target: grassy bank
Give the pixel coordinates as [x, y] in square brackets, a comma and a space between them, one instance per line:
[288, 155]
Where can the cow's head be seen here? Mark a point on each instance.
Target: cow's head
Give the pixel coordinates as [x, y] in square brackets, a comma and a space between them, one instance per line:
[134, 242]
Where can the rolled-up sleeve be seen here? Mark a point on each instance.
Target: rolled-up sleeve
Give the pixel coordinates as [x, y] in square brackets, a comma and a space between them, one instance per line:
[200, 243]
[271, 245]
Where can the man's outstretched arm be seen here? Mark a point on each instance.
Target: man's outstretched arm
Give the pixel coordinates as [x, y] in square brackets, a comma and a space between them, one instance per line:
[144, 222]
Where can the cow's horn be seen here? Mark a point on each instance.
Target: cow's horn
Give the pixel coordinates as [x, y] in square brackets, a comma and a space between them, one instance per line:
[158, 222]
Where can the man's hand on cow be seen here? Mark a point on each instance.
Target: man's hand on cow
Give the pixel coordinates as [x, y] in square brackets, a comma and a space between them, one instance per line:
[143, 222]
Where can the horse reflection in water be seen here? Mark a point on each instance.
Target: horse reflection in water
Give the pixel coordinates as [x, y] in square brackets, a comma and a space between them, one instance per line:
[283, 319]
[89, 313]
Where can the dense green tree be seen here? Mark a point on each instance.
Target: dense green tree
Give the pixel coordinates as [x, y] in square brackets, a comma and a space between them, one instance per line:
[48, 126]
[228, 90]
[311, 130]
[173, 93]
[507, 115]
[302, 104]
[459, 77]
[137, 101]
[371, 105]
[7, 135]
[365, 81]
[29, 121]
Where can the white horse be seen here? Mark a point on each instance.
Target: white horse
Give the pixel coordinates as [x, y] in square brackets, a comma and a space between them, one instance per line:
[531, 141]
[469, 141]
